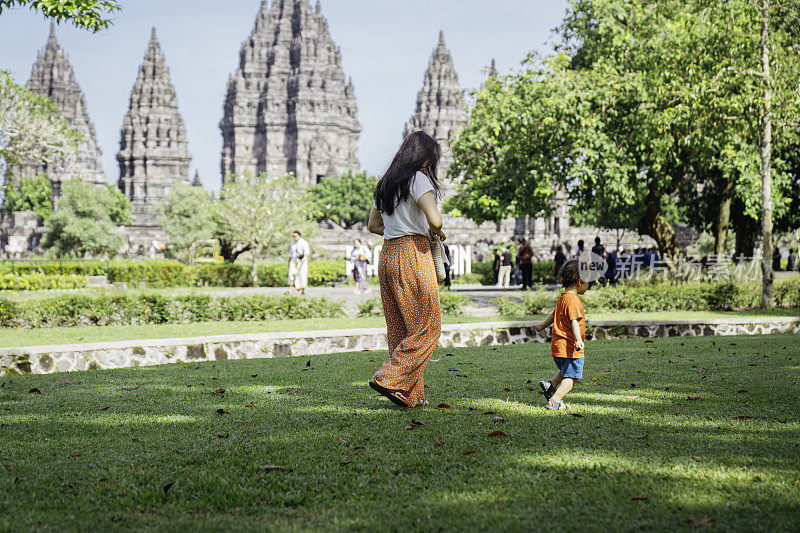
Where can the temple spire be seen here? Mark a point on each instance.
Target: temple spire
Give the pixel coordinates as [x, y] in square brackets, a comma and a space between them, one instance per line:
[154, 152]
[441, 109]
[52, 76]
[289, 107]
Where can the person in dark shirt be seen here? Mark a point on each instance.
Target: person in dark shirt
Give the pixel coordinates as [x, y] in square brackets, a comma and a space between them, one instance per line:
[776, 259]
[791, 265]
[611, 268]
[558, 260]
[525, 258]
[496, 259]
[579, 251]
[598, 248]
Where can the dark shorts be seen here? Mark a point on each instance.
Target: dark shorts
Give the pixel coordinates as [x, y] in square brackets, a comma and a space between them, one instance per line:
[570, 368]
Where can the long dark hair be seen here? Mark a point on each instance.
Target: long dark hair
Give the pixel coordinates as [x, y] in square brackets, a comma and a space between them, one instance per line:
[395, 185]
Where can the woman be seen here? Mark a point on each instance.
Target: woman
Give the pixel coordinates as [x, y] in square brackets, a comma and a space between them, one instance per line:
[360, 257]
[298, 263]
[405, 212]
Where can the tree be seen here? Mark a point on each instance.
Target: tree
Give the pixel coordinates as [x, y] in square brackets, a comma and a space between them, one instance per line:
[187, 216]
[92, 15]
[32, 130]
[345, 200]
[85, 219]
[260, 213]
[30, 194]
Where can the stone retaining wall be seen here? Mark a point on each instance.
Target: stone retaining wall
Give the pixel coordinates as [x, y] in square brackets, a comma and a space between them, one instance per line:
[68, 357]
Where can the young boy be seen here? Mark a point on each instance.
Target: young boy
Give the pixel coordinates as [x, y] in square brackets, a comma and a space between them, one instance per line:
[569, 330]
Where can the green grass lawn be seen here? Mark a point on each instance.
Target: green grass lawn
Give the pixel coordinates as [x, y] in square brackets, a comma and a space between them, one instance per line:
[662, 433]
[41, 336]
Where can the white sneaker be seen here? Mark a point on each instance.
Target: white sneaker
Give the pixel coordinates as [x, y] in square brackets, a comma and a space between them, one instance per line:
[555, 405]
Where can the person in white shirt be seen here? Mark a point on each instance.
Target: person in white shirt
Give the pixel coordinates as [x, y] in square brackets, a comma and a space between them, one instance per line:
[405, 212]
[360, 258]
[299, 251]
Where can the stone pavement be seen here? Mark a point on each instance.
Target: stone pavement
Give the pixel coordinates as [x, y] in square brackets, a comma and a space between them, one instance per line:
[480, 295]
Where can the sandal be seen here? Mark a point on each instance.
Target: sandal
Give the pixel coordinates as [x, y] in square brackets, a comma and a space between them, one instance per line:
[396, 397]
[422, 403]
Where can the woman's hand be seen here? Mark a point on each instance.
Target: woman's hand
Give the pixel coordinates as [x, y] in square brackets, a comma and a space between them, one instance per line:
[440, 233]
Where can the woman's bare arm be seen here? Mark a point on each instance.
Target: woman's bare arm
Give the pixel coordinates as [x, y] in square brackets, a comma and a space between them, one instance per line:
[428, 205]
[375, 224]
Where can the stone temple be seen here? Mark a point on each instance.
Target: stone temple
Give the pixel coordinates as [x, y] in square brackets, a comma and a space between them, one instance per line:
[153, 150]
[441, 108]
[52, 76]
[289, 107]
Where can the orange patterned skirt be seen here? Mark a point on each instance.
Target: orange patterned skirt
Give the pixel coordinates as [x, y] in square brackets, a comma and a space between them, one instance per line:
[410, 298]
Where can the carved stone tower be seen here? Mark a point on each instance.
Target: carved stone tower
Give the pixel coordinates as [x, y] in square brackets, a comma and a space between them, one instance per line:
[441, 108]
[52, 76]
[288, 107]
[153, 151]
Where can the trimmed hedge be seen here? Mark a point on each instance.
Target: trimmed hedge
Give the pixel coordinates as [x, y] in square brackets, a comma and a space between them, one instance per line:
[165, 273]
[658, 297]
[38, 282]
[118, 310]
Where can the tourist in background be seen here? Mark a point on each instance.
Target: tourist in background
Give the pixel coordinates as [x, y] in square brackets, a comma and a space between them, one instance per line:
[776, 259]
[611, 268]
[579, 251]
[299, 252]
[360, 258]
[558, 260]
[792, 265]
[405, 213]
[598, 248]
[496, 260]
[504, 278]
[525, 258]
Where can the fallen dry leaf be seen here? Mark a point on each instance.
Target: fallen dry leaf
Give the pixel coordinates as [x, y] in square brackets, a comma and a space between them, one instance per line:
[577, 415]
[758, 479]
[359, 448]
[639, 498]
[34, 391]
[507, 389]
[741, 417]
[444, 406]
[638, 436]
[223, 435]
[408, 426]
[130, 388]
[168, 486]
[449, 355]
[693, 397]
[498, 419]
[249, 405]
[253, 375]
[438, 441]
[469, 453]
[9, 467]
[702, 521]
[341, 440]
[76, 454]
[489, 413]
[346, 462]
[498, 434]
[222, 411]
[219, 391]
[275, 467]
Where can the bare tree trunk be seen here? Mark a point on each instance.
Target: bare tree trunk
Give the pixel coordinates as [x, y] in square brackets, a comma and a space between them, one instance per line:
[723, 220]
[662, 231]
[766, 165]
[254, 269]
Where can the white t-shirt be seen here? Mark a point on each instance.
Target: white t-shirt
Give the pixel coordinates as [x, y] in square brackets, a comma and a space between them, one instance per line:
[407, 218]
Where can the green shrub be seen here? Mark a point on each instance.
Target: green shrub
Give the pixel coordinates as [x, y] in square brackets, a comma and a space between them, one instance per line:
[469, 279]
[542, 272]
[484, 270]
[371, 307]
[161, 273]
[37, 282]
[505, 307]
[85, 310]
[787, 292]
[452, 303]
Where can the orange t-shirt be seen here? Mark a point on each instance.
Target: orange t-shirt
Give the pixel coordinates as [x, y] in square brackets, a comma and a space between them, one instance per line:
[569, 307]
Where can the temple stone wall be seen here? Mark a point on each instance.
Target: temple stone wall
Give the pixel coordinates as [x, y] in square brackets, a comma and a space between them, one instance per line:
[63, 358]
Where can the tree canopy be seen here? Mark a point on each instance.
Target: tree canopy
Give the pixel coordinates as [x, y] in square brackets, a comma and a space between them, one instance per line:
[187, 215]
[92, 15]
[344, 200]
[29, 194]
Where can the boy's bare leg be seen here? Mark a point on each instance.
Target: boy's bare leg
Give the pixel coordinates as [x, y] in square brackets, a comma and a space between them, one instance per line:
[556, 381]
[563, 388]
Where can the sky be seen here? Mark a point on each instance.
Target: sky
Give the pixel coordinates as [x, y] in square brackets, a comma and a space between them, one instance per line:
[385, 44]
